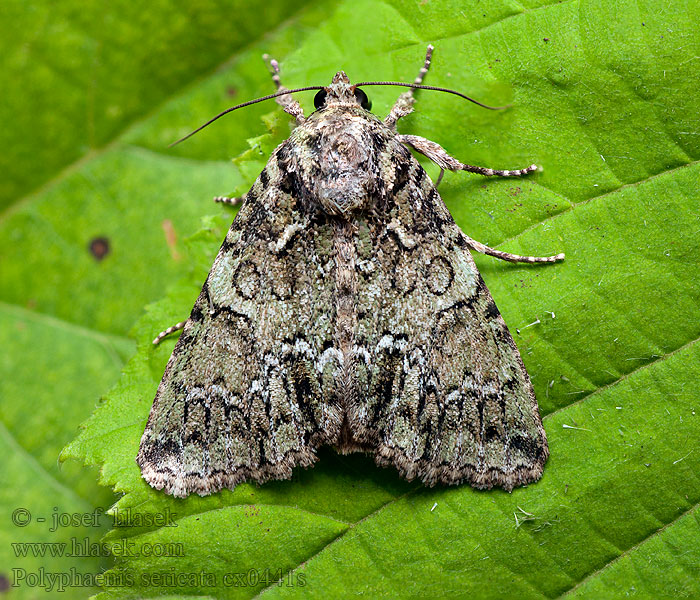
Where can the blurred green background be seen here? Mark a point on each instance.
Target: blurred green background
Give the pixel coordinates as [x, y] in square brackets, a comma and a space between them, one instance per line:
[95, 210]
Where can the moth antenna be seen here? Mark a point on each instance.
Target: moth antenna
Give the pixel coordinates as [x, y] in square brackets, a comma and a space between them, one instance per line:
[434, 88]
[228, 110]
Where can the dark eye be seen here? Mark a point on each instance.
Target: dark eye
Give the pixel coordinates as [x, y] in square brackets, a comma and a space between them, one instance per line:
[362, 99]
[319, 99]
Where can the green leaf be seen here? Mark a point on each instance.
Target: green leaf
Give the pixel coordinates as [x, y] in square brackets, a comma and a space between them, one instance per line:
[36, 422]
[605, 97]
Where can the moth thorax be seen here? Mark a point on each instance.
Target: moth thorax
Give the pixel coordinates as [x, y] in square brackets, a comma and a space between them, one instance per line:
[344, 183]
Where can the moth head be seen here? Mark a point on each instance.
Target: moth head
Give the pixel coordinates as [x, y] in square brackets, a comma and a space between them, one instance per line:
[341, 93]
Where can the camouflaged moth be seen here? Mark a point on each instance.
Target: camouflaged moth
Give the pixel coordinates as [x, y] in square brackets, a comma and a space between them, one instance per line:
[344, 308]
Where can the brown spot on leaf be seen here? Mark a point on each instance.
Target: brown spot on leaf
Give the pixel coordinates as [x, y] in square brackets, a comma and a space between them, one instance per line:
[170, 238]
[99, 247]
[231, 91]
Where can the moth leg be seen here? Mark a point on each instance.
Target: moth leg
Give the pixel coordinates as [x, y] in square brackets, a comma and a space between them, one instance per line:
[168, 331]
[288, 104]
[437, 154]
[404, 103]
[484, 249]
[229, 200]
[439, 179]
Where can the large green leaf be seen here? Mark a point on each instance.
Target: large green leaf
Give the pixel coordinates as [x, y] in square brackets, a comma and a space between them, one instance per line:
[606, 99]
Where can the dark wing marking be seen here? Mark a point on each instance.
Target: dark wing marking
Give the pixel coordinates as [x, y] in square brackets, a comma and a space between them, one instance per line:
[443, 392]
[248, 391]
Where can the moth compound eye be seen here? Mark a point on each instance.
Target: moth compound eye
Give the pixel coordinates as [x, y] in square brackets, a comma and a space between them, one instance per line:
[320, 99]
[362, 99]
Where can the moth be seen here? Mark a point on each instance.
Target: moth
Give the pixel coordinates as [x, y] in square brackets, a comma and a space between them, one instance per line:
[344, 308]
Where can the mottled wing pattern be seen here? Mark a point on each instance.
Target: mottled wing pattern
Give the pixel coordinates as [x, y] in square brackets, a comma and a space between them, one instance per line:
[443, 394]
[248, 392]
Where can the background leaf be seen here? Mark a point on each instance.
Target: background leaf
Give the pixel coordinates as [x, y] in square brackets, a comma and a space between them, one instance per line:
[605, 97]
